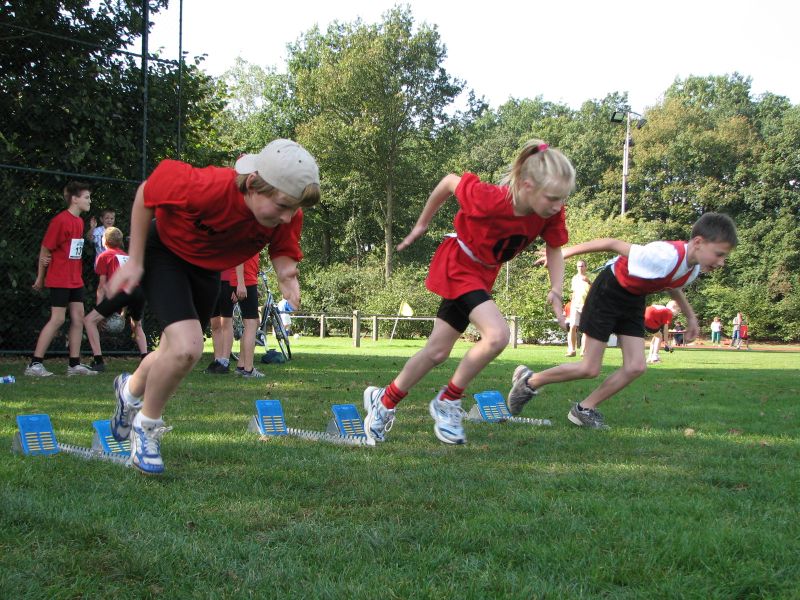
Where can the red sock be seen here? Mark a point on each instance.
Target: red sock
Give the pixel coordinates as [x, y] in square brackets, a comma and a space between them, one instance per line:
[393, 396]
[452, 392]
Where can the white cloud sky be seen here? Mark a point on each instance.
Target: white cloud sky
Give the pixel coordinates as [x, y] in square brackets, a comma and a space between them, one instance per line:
[568, 51]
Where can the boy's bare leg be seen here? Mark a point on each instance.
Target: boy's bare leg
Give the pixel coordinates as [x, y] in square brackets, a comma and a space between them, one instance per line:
[50, 329]
[90, 323]
[75, 329]
[633, 365]
[161, 371]
[247, 344]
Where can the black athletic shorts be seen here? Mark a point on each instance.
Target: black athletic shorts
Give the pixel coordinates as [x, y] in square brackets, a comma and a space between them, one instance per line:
[176, 290]
[610, 308]
[456, 312]
[249, 305]
[134, 301]
[224, 305]
[60, 297]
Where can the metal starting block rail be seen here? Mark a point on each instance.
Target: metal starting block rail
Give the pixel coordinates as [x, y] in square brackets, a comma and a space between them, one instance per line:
[490, 407]
[35, 436]
[269, 421]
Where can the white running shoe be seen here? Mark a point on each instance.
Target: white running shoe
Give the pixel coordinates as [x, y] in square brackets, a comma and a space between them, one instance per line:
[146, 447]
[80, 370]
[37, 370]
[379, 419]
[448, 416]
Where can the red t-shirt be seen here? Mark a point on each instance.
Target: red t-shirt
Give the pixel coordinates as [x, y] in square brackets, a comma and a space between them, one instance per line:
[250, 272]
[654, 267]
[64, 240]
[487, 226]
[109, 261]
[656, 316]
[201, 216]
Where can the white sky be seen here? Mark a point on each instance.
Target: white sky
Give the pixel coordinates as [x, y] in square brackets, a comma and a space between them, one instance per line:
[566, 51]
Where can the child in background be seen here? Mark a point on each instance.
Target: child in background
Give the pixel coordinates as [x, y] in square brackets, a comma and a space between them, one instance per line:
[494, 223]
[61, 257]
[95, 233]
[106, 265]
[206, 220]
[657, 319]
[716, 331]
[616, 304]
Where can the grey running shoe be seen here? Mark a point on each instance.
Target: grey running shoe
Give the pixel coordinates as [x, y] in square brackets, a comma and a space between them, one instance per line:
[217, 368]
[379, 419]
[80, 370]
[587, 418]
[255, 373]
[37, 370]
[520, 393]
[448, 416]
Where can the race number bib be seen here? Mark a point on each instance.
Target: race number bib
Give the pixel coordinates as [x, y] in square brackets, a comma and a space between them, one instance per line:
[76, 249]
[122, 259]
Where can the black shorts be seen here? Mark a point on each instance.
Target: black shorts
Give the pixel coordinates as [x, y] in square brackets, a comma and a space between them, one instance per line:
[177, 290]
[224, 305]
[610, 308]
[249, 305]
[456, 312]
[651, 330]
[134, 301]
[60, 297]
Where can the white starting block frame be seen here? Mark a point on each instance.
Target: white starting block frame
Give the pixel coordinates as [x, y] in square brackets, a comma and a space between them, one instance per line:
[269, 421]
[35, 436]
[490, 407]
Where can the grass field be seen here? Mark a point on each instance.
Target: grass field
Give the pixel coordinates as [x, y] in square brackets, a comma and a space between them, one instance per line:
[693, 493]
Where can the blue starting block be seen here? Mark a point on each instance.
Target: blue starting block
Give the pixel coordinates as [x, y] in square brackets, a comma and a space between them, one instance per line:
[104, 442]
[36, 436]
[346, 421]
[490, 407]
[269, 421]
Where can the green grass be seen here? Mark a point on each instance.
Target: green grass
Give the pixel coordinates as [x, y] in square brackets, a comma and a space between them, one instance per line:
[648, 509]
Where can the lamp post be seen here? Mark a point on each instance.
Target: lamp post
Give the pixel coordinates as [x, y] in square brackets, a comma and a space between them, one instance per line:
[618, 116]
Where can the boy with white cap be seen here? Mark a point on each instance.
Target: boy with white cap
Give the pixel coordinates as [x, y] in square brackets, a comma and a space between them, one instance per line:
[206, 220]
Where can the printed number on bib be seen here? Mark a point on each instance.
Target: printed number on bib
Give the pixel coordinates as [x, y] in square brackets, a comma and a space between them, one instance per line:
[76, 249]
[122, 259]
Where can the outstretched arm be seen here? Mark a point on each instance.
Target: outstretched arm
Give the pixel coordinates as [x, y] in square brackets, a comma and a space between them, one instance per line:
[443, 190]
[128, 276]
[288, 284]
[555, 269]
[692, 327]
[599, 245]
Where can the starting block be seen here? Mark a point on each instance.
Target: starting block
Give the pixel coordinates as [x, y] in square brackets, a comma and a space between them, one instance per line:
[346, 421]
[104, 442]
[490, 407]
[269, 421]
[35, 436]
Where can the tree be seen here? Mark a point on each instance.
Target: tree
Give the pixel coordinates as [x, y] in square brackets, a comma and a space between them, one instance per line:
[373, 98]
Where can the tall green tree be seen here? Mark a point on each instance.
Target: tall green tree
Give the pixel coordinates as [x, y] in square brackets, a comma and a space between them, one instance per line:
[373, 99]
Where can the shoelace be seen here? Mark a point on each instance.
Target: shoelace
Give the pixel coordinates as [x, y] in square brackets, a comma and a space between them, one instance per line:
[387, 418]
[453, 413]
[152, 439]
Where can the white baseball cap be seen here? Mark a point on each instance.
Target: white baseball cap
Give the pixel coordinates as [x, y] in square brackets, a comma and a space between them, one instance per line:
[284, 164]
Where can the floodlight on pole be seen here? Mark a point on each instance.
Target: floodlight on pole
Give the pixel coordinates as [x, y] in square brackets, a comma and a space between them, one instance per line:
[619, 116]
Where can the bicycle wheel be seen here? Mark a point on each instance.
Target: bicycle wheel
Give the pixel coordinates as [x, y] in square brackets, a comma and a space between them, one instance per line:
[281, 338]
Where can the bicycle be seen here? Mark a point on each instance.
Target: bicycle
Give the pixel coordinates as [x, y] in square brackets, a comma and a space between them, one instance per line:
[270, 319]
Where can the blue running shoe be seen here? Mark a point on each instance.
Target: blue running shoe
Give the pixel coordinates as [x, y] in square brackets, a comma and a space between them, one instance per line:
[448, 416]
[146, 447]
[379, 419]
[124, 412]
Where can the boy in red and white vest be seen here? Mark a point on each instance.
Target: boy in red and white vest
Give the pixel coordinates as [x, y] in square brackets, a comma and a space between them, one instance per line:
[616, 304]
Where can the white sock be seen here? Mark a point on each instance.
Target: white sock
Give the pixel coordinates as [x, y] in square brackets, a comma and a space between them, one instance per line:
[141, 421]
[223, 361]
[128, 397]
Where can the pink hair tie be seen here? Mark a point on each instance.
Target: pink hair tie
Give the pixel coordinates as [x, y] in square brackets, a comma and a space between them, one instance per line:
[542, 147]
